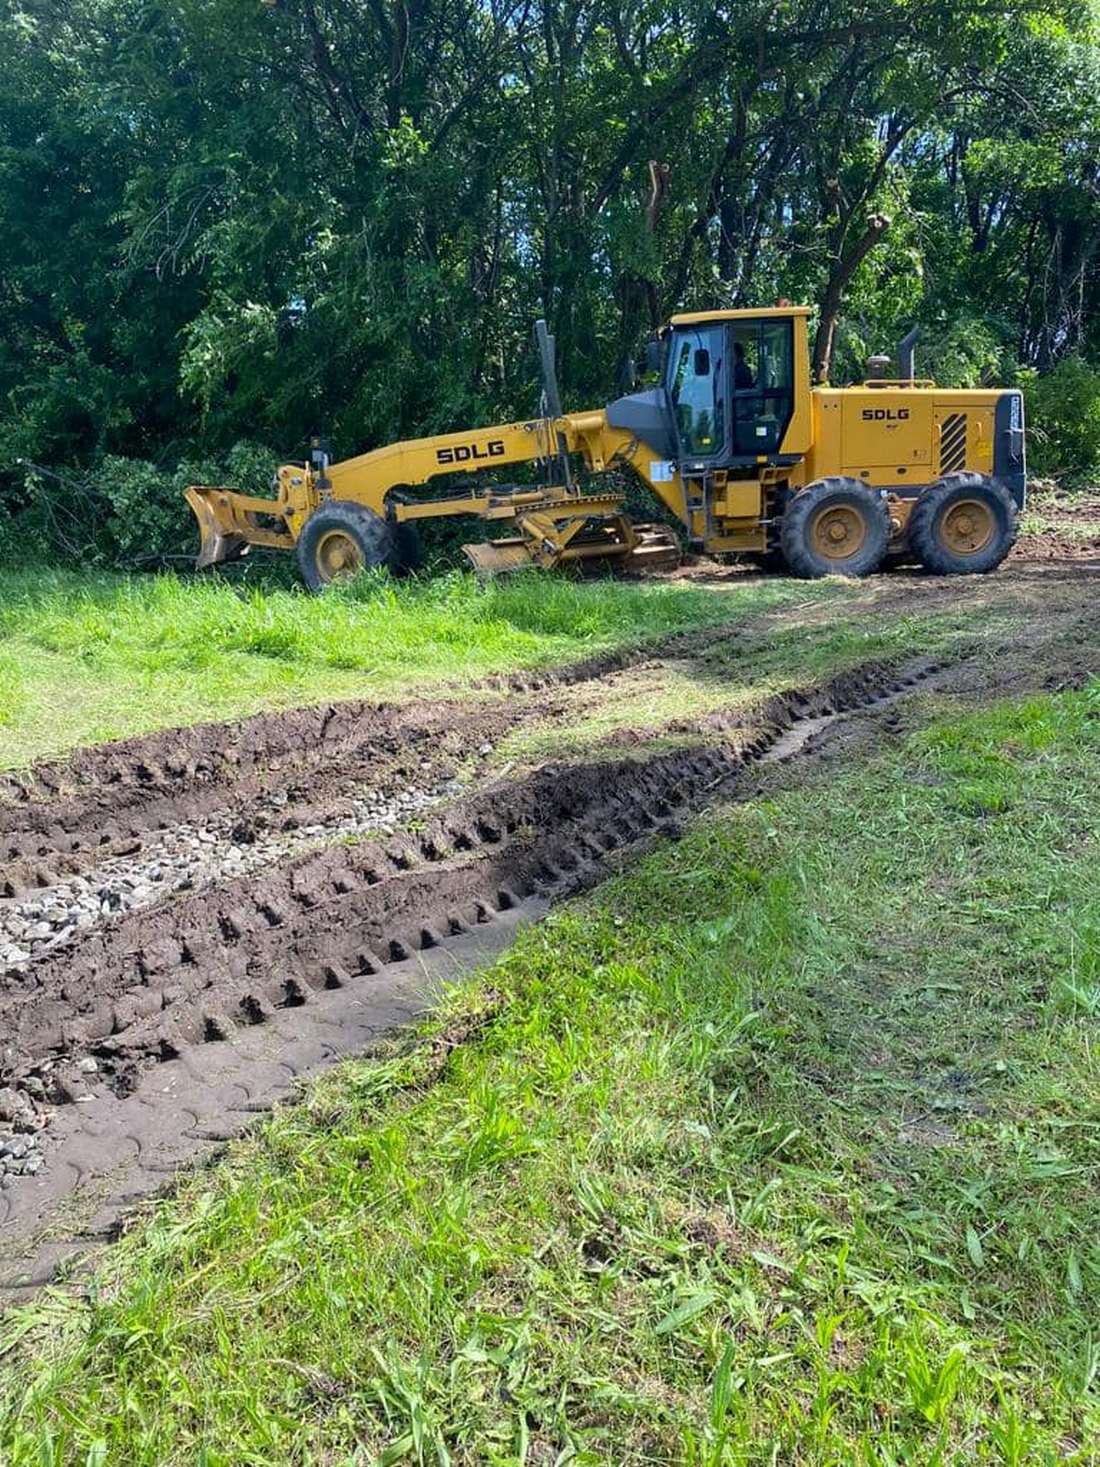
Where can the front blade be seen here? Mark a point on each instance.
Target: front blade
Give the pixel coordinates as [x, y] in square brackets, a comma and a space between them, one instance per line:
[497, 557]
[218, 540]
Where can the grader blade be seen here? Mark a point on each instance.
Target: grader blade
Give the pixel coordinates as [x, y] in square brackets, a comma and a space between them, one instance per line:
[498, 557]
[656, 547]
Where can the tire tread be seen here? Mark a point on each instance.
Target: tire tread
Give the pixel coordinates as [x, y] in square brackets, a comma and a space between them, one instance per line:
[922, 525]
[794, 531]
[369, 529]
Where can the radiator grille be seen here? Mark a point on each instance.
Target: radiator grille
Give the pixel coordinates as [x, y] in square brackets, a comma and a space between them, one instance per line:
[953, 443]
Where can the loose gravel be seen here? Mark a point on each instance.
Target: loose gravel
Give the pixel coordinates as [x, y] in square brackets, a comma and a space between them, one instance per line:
[183, 859]
[187, 858]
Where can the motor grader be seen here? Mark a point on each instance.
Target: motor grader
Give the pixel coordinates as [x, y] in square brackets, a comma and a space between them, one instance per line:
[728, 434]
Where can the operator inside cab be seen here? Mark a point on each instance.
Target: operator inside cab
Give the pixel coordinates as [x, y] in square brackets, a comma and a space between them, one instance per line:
[742, 372]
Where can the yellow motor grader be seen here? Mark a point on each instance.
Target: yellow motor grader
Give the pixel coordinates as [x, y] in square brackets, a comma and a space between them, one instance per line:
[731, 438]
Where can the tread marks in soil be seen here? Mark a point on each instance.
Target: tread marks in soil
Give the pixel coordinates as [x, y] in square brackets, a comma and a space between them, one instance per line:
[198, 969]
[326, 934]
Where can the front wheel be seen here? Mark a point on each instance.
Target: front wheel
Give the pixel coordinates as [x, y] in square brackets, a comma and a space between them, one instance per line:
[836, 527]
[341, 539]
[963, 525]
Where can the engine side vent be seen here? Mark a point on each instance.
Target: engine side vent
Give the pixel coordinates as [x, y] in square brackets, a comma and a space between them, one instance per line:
[953, 443]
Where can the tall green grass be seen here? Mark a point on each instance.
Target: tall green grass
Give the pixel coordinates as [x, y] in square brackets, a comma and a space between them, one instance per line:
[450, 625]
[102, 656]
[780, 1149]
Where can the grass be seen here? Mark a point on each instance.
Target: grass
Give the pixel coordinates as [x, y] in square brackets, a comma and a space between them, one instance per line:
[1080, 531]
[755, 1156]
[93, 657]
[1071, 517]
[745, 671]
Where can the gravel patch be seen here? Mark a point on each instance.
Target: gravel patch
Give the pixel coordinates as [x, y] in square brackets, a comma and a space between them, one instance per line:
[189, 856]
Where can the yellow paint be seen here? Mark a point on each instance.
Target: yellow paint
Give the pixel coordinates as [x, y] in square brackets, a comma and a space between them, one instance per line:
[740, 499]
[766, 313]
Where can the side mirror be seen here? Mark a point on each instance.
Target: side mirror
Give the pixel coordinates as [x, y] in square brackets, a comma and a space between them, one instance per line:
[653, 354]
[700, 362]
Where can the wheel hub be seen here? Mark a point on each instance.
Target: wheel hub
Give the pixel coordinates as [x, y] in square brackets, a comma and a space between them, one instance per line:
[967, 526]
[838, 531]
[338, 556]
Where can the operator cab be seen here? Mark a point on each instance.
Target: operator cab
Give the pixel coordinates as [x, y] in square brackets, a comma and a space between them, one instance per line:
[730, 379]
[733, 391]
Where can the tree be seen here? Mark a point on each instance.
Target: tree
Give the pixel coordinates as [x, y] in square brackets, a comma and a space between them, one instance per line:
[230, 220]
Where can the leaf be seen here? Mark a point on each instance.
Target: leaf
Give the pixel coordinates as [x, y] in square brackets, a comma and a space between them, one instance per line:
[721, 1392]
[769, 1260]
[685, 1311]
[397, 1450]
[1073, 1272]
[974, 1247]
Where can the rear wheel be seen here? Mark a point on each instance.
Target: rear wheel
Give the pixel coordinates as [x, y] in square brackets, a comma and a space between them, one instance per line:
[963, 525]
[836, 527]
[341, 539]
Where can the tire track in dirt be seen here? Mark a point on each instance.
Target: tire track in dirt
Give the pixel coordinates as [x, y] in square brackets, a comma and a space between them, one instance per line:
[287, 770]
[111, 793]
[126, 825]
[198, 1014]
[174, 991]
[111, 1155]
[279, 771]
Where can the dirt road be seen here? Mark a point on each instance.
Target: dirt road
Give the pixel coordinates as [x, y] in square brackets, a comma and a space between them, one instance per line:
[191, 921]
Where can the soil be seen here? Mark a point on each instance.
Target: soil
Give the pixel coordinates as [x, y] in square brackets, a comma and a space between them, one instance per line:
[1060, 526]
[167, 902]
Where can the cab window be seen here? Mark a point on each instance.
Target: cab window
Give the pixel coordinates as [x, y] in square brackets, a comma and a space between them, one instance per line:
[697, 377]
[763, 385]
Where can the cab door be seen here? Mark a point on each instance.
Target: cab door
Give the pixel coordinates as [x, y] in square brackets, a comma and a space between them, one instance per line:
[763, 384]
[698, 384]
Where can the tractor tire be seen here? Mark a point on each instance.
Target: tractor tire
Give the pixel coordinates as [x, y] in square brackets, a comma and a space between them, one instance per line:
[836, 527]
[963, 525]
[341, 539]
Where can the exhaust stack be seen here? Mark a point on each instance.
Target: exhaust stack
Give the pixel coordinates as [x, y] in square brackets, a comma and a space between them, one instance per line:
[906, 346]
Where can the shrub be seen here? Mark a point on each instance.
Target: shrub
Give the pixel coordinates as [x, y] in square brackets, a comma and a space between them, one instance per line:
[1063, 412]
[147, 519]
[123, 511]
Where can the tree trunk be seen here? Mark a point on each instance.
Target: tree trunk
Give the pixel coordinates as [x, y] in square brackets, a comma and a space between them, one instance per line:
[840, 277]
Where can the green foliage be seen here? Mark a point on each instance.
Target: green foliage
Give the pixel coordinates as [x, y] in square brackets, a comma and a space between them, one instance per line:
[204, 243]
[124, 511]
[1063, 408]
[145, 511]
